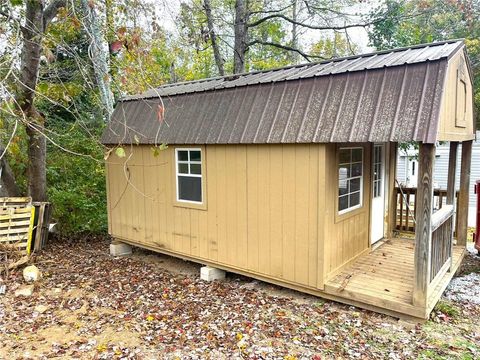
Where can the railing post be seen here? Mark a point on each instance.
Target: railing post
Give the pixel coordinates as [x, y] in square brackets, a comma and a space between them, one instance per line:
[452, 169]
[462, 211]
[423, 229]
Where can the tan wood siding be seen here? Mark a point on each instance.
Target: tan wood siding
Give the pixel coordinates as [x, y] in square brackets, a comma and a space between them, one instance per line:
[261, 216]
[346, 235]
[451, 128]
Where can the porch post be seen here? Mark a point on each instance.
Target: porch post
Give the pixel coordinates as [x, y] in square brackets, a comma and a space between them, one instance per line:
[462, 211]
[452, 168]
[423, 226]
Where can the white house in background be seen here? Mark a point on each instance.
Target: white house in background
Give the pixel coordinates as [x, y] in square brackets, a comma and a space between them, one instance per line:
[407, 169]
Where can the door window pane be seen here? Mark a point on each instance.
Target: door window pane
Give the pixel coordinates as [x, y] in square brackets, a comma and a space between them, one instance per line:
[377, 171]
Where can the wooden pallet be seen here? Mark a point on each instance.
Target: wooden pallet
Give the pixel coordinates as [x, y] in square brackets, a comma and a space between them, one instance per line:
[16, 225]
[43, 214]
[14, 202]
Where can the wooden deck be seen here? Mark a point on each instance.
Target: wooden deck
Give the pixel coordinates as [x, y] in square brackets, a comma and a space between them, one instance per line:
[382, 280]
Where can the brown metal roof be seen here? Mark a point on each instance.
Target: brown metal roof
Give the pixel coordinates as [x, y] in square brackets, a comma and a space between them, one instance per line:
[384, 96]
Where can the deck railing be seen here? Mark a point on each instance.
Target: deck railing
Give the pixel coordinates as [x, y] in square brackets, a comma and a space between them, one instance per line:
[406, 201]
[441, 246]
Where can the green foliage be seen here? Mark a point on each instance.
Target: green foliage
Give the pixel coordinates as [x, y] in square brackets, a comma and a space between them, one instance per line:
[337, 46]
[408, 145]
[76, 184]
[194, 52]
[260, 57]
[17, 148]
[120, 152]
[447, 309]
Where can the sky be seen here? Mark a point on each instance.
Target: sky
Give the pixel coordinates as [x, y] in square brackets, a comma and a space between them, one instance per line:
[169, 9]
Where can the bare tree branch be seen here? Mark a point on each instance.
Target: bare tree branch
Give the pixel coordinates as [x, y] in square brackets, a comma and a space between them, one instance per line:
[9, 16]
[306, 56]
[52, 10]
[314, 27]
[271, 11]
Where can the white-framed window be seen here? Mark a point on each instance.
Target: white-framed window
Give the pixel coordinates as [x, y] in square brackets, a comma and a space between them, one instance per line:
[189, 175]
[378, 170]
[350, 179]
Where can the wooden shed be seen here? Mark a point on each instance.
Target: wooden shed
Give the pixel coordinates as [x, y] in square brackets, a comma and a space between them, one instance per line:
[287, 175]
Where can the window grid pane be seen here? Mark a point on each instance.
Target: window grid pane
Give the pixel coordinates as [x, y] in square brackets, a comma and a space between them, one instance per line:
[183, 168]
[350, 178]
[189, 175]
[196, 169]
[195, 155]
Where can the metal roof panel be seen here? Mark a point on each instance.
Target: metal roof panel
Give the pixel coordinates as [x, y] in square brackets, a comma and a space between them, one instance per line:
[387, 96]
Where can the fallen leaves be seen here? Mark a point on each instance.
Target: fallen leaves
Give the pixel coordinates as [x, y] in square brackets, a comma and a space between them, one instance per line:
[91, 305]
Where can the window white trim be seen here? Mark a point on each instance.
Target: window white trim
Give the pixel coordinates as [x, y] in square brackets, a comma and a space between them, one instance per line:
[188, 162]
[360, 204]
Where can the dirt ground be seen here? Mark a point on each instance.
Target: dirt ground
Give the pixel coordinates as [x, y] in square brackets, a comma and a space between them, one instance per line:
[89, 305]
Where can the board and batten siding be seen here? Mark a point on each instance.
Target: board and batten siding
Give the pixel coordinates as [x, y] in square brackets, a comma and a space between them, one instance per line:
[453, 127]
[347, 235]
[264, 215]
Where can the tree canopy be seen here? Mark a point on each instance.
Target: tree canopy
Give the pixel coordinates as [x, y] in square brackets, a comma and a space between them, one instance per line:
[64, 63]
[416, 22]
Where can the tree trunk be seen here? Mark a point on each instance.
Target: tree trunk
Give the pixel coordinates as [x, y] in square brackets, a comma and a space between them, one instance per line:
[30, 63]
[31, 51]
[37, 18]
[37, 151]
[7, 179]
[240, 31]
[293, 55]
[213, 38]
[99, 56]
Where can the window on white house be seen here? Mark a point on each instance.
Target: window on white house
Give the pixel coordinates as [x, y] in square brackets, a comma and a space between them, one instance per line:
[350, 179]
[189, 175]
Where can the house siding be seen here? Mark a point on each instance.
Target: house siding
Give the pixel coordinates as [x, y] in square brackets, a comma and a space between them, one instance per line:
[453, 127]
[265, 210]
[347, 235]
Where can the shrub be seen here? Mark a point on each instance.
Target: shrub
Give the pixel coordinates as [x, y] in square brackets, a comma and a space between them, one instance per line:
[76, 183]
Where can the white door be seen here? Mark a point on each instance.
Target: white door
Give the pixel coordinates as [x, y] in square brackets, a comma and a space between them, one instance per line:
[378, 192]
[412, 172]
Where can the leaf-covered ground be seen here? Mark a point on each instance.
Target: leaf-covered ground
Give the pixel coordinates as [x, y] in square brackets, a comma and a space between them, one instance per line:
[90, 305]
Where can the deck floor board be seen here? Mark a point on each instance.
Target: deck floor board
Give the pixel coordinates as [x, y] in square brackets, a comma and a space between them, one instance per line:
[383, 277]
